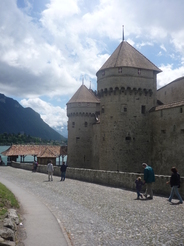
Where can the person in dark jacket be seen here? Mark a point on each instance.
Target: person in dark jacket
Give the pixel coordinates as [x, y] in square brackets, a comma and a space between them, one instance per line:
[149, 178]
[175, 184]
[35, 166]
[63, 171]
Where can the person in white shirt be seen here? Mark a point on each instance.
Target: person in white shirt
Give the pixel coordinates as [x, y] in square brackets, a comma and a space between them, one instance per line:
[50, 170]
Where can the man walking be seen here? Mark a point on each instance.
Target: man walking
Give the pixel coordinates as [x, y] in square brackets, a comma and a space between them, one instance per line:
[63, 171]
[50, 170]
[149, 178]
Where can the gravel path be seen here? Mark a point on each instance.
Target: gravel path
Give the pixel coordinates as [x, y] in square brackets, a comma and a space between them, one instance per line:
[97, 215]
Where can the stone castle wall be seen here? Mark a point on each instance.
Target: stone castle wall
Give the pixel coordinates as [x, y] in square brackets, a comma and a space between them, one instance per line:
[80, 138]
[95, 146]
[126, 98]
[128, 130]
[110, 178]
[172, 92]
[81, 117]
[167, 140]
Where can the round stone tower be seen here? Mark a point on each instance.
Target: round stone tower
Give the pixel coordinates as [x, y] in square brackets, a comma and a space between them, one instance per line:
[81, 112]
[126, 86]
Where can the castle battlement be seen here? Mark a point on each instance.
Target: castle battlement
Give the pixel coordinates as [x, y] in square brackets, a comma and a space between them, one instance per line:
[122, 90]
[125, 122]
[82, 114]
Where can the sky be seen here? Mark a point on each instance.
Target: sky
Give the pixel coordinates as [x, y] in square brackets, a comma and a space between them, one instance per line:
[48, 47]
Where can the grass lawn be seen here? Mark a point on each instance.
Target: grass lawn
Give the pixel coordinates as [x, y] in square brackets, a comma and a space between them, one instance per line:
[7, 200]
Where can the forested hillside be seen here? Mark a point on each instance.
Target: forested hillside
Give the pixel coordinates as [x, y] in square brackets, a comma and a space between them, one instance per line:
[16, 119]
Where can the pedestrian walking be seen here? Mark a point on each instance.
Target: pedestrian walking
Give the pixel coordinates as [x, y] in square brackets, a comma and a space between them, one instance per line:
[63, 171]
[35, 163]
[175, 184]
[149, 178]
[139, 185]
[50, 170]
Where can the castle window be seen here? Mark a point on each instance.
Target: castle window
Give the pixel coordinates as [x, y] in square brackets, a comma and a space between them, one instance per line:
[182, 131]
[85, 124]
[128, 138]
[103, 73]
[139, 71]
[125, 109]
[103, 110]
[181, 110]
[163, 131]
[77, 139]
[143, 109]
[120, 70]
[73, 124]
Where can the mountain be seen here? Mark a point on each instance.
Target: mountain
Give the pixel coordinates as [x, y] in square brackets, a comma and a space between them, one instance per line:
[16, 119]
[63, 132]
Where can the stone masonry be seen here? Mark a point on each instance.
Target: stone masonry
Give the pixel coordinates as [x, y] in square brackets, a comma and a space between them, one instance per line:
[125, 122]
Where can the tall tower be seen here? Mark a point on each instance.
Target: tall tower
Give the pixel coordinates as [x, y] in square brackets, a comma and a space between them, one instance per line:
[126, 85]
[81, 112]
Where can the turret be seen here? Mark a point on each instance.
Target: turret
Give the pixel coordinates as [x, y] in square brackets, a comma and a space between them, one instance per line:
[126, 86]
[82, 114]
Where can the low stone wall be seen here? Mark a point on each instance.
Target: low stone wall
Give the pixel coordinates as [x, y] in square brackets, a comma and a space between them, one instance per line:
[109, 178]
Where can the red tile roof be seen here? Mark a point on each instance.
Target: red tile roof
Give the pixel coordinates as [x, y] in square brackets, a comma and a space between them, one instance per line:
[37, 150]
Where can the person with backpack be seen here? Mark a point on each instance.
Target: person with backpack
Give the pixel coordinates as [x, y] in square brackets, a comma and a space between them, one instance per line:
[175, 184]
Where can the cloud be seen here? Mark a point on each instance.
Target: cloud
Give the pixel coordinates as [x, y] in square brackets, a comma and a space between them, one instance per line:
[55, 117]
[45, 51]
[49, 55]
[163, 47]
[32, 59]
[168, 74]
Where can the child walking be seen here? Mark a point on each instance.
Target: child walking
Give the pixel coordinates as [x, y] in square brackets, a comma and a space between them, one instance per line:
[139, 185]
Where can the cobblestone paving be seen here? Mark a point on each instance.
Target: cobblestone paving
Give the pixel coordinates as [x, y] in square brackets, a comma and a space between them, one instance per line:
[98, 215]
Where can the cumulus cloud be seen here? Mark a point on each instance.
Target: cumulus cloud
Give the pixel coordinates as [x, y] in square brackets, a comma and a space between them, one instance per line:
[168, 74]
[45, 51]
[53, 116]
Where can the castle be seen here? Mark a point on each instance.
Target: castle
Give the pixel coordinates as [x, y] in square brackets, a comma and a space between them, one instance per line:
[127, 121]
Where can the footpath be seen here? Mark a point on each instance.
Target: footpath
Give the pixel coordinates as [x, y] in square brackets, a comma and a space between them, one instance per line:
[83, 214]
[41, 227]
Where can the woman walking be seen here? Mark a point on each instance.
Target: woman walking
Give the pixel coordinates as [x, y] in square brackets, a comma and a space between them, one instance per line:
[175, 184]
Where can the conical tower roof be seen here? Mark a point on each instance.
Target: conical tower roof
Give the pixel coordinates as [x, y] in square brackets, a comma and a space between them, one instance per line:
[126, 55]
[83, 94]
